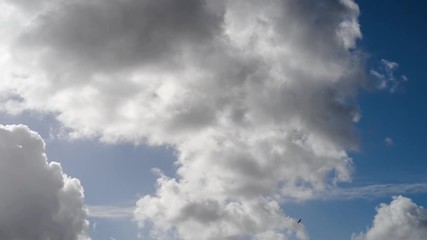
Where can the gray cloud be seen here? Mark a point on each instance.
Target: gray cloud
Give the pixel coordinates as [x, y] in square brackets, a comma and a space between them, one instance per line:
[105, 36]
[401, 219]
[37, 200]
[258, 99]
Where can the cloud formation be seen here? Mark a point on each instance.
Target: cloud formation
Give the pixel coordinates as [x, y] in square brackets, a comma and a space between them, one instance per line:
[258, 99]
[112, 212]
[371, 191]
[385, 76]
[401, 219]
[37, 201]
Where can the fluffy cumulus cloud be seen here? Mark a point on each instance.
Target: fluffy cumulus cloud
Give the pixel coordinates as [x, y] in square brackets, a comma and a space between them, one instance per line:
[402, 219]
[257, 98]
[37, 200]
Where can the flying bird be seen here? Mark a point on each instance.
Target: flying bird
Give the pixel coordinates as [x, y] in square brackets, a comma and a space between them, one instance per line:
[299, 220]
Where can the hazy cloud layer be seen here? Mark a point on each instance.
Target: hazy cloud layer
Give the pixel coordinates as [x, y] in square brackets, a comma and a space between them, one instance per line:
[37, 200]
[400, 220]
[257, 98]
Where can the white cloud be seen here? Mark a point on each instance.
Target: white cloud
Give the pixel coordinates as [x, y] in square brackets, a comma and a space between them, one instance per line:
[198, 216]
[37, 200]
[108, 211]
[257, 98]
[400, 220]
[371, 191]
[385, 76]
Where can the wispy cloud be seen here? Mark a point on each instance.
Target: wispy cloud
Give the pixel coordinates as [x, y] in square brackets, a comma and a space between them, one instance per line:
[389, 141]
[371, 191]
[362, 192]
[110, 211]
[386, 77]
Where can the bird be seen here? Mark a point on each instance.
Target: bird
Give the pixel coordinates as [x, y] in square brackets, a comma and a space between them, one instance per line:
[299, 220]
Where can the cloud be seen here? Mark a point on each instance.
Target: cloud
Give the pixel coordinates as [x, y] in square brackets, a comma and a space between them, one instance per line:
[400, 220]
[37, 200]
[385, 76]
[204, 217]
[107, 211]
[258, 99]
[371, 191]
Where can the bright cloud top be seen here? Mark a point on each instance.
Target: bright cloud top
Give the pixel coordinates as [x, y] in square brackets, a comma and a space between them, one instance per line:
[257, 98]
[37, 201]
[400, 220]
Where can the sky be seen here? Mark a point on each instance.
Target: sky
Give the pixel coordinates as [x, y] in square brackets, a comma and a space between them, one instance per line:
[227, 119]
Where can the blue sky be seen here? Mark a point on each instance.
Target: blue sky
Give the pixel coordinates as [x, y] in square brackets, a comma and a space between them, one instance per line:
[115, 162]
[393, 31]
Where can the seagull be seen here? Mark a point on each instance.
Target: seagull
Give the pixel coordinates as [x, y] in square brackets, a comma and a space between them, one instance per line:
[299, 220]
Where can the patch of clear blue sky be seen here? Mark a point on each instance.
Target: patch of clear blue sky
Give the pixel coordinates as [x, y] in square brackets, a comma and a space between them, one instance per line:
[393, 30]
